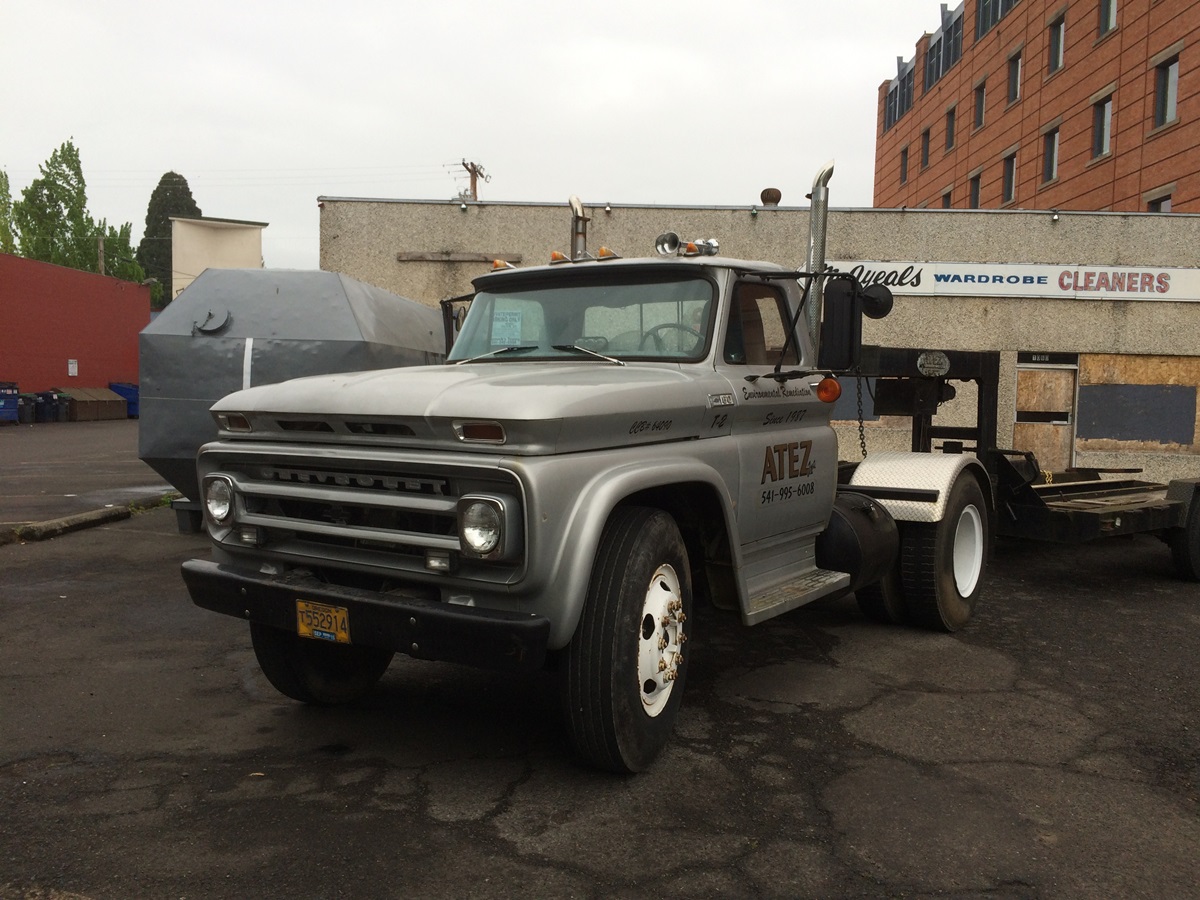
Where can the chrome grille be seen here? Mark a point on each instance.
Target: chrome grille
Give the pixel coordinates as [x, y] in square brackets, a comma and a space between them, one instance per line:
[358, 512]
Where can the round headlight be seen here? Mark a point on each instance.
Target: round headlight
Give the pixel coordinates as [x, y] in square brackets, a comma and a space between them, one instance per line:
[481, 527]
[218, 499]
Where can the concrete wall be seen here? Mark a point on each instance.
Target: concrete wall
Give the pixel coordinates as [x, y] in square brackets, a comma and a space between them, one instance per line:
[51, 316]
[199, 244]
[431, 250]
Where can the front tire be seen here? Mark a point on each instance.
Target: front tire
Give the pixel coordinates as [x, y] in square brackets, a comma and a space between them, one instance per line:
[316, 672]
[625, 668]
[942, 564]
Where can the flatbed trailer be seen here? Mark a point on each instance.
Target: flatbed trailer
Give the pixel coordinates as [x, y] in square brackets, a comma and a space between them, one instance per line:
[1067, 507]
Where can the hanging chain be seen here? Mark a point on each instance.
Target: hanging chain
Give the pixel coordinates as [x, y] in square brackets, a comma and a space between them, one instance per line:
[862, 434]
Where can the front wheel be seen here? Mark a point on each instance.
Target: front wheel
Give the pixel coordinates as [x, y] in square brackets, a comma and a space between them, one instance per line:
[317, 672]
[625, 667]
[942, 564]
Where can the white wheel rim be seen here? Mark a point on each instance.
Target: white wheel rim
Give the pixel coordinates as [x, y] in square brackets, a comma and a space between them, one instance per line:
[660, 640]
[968, 551]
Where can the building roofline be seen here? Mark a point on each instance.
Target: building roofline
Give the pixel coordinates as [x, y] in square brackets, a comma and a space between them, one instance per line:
[743, 207]
[213, 220]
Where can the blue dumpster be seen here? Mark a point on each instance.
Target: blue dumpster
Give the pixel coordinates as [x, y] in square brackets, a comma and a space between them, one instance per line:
[128, 393]
[9, 401]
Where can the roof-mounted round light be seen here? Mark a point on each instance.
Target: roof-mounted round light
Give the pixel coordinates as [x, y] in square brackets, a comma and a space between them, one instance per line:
[669, 244]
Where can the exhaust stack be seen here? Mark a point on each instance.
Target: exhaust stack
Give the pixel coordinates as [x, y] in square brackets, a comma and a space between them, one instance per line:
[814, 260]
[578, 229]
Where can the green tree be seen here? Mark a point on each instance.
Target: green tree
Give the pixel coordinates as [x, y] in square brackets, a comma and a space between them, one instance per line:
[118, 252]
[8, 241]
[51, 218]
[52, 223]
[172, 197]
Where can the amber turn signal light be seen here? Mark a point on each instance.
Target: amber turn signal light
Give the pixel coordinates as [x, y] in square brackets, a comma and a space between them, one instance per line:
[829, 389]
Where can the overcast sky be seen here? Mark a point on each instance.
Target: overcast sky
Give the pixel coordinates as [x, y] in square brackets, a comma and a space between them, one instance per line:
[264, 106]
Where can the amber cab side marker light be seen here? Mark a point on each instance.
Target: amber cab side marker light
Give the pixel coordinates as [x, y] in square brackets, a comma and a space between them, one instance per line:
[829, 389]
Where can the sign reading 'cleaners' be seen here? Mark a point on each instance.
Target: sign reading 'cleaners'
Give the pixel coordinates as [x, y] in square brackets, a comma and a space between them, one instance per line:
[1070, 282]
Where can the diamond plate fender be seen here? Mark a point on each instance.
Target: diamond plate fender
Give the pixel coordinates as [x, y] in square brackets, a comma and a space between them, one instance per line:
[922, 471]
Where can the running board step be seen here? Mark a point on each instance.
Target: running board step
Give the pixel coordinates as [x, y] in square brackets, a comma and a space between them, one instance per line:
[805, 587]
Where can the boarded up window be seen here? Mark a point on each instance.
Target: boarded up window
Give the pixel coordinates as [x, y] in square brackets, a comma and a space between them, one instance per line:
[1157, 413]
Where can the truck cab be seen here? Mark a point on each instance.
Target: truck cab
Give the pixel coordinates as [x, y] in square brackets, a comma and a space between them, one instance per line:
[610, 441]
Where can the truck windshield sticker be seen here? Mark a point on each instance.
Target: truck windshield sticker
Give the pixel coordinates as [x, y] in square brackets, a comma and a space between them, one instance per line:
[506, 328]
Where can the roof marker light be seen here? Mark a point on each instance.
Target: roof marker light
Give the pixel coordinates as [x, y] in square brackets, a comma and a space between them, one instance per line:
[558, 257]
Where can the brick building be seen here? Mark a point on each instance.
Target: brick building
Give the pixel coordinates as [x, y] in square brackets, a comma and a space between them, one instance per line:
[1047, 104]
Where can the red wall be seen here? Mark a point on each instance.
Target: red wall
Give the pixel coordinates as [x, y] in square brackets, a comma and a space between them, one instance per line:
[49, 315]
[1143, 159]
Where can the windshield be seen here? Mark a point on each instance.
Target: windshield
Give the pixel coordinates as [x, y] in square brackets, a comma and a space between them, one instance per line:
[663, 318]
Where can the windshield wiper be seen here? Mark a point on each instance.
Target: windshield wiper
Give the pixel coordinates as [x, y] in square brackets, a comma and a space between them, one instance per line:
[588, 351]
[496, 353]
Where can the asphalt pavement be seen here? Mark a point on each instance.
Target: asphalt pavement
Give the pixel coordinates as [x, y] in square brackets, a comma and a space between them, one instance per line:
[59, 476]
[1050, 749]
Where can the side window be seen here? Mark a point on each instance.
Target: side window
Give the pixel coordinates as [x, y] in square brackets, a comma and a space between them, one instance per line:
[758, 323]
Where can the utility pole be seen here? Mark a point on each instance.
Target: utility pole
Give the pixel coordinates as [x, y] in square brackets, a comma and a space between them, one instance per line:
[475, 170]
[100, 254]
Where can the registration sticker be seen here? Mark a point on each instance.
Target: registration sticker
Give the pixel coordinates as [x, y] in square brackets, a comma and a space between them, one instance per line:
[322, 622]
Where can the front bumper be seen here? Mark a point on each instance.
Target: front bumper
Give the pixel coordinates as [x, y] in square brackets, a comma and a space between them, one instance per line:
[413, 622]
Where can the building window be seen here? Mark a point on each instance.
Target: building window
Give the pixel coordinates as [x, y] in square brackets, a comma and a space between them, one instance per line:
[988, 13]
[899, 97]
[1166, 91]
[946, 200]
[1050, 155]
[1014, 78]
[1160, 204]
[976, 180]
[1010, 178]
[950, 128]
[1058, 42]
[933, 63]
[904, 165]
[925, 148]
[980, 103]
[945, 48]
[1102, 127]
[1108, 16]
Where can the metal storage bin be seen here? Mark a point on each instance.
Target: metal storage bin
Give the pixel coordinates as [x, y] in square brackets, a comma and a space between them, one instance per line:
[9, 400]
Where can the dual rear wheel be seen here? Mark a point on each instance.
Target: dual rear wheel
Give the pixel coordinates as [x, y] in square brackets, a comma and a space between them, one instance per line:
[939, 575]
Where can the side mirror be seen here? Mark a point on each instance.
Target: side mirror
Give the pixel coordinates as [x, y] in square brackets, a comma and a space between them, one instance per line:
[877, 301]
[841, 320]
[841, 326]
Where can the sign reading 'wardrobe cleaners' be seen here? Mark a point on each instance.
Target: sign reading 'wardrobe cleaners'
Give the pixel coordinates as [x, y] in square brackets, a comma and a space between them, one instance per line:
[1070, 282]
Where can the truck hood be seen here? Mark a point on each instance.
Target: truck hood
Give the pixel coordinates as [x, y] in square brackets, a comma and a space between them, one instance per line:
[544, 407]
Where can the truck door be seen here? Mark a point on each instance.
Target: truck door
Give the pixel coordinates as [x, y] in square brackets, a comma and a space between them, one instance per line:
[787, 451]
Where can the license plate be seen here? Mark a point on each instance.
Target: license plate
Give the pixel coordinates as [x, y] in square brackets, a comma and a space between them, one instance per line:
[322, 622]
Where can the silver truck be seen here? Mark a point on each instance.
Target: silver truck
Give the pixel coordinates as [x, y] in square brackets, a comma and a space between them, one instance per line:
[611, 441]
